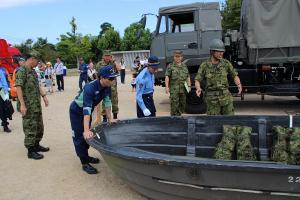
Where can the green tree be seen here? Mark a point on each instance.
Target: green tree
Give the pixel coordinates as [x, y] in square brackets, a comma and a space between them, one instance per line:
[25, 47]
[132, 42]
[47, 50]
[231, 14]
[110, 40]
[104, 27]
[73, 45]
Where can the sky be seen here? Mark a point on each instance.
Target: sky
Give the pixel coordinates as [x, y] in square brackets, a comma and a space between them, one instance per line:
[24, 19]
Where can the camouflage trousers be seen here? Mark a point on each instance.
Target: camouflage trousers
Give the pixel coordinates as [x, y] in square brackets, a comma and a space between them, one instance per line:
[219, 105]
[286, 145]
[33, 128]
[236, 140]
[178, 101]
[114, 100]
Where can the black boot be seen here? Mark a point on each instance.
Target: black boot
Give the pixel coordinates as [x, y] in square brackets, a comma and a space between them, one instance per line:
[115, 115]
[104, 118]
[6, 129]
[89, 169]
[32, 154]
[39, 148]
[94, 160]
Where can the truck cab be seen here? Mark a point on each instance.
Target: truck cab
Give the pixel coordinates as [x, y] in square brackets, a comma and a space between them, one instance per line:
[188, 28]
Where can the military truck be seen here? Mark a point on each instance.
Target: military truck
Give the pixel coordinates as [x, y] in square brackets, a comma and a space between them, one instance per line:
[265, 51]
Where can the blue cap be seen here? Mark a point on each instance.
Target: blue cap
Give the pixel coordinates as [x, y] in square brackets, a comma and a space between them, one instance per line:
[153, 62]
[107, 72]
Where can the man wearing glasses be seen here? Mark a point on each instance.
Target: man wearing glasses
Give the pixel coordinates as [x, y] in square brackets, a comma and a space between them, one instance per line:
[81, 110]
[29, 104]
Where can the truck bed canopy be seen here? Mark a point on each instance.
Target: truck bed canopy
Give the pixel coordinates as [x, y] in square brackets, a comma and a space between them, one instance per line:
[189, 7]
[271, 23]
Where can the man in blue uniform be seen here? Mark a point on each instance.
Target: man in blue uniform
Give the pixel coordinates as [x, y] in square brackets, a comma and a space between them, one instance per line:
[81, 110]
[145, 88]
[83, 77]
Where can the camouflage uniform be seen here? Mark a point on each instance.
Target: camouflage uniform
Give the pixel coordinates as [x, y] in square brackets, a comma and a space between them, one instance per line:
[33, 121]
[286, 146]
[214, 77]
[279, 150]
[178, 75]
[294, 146]
[114, 88]
[235, 136]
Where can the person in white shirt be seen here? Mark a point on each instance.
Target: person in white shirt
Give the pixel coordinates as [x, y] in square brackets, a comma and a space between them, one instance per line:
[92, 74]
[49, 77]
[59, 71]
[122, 72]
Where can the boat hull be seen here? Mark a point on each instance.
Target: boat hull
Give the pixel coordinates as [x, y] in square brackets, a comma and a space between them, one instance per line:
[137, 159]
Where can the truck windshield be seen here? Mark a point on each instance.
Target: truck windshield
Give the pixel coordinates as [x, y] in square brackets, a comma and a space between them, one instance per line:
[183, 22]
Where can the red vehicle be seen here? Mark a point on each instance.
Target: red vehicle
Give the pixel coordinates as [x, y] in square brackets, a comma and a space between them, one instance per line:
[7, 52]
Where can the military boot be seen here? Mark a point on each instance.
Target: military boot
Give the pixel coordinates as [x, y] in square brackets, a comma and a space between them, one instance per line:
[6, 129]
[104, 118]
[115, 115]
[32, 154]
[39, 148]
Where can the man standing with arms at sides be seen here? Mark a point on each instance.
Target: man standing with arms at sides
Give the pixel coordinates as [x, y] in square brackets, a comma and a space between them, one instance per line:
[144, 89]
[83, 77]
[59, 71]
[29, 103]
[176, 77]
[108, 60]
[81, 110]
[213, 73]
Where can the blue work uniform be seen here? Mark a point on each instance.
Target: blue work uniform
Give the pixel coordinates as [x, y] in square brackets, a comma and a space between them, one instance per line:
[84, 104]
[144, 93]
[83, 77]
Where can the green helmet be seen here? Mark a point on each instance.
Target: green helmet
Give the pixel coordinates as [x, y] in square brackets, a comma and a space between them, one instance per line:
[216, 45]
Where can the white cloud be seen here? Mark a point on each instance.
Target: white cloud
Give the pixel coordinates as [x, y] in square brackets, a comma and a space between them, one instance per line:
[15, 3]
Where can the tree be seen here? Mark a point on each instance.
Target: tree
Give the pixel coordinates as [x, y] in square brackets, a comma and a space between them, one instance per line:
[73, 45]
[132, 42]
[47, 50]
[104, 27]
[110, 40]
[25, 47]
[231, 14]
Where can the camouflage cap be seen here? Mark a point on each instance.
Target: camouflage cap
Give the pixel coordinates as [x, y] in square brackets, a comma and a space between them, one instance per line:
[177, 52]
[106, 52]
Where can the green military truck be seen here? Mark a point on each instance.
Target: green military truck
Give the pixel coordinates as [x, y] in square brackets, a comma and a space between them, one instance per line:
[265, 51]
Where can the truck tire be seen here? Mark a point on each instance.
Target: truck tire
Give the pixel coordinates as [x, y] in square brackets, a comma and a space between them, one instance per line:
[194, 104]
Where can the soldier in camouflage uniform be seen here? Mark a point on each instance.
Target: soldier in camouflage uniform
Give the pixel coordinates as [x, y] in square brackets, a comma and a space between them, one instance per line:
[107, 60]
[29, 103]
[176, 76]
[213, 73]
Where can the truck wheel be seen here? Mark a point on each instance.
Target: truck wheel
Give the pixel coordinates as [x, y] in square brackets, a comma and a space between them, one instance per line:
[194, 104]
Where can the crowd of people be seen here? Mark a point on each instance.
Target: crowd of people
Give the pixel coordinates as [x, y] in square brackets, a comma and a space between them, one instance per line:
[98, 91]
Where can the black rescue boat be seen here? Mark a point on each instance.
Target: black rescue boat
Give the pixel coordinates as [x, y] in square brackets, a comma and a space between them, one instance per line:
[171, 158]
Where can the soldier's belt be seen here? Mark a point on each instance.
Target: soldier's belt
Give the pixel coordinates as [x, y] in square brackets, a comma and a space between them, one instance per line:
[216, 93]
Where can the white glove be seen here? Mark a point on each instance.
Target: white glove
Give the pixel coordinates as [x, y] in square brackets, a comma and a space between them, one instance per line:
[146, 112]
